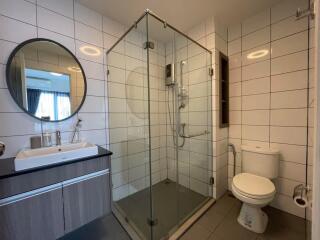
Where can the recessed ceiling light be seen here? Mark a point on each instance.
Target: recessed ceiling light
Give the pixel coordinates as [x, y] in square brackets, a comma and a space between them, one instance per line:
[74, 69]
[90, 50]
[56, 74]
[258, 54]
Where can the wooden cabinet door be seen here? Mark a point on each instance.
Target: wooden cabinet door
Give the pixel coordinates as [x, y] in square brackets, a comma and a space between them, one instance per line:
[85, 199]
[35, 215]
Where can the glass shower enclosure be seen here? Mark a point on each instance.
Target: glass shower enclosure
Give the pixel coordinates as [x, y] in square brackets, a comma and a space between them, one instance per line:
[160, 127]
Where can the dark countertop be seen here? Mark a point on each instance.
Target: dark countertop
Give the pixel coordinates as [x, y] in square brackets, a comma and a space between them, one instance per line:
[7, 164]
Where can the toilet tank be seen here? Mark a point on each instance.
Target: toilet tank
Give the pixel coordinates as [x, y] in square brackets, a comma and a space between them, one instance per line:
[260, 161]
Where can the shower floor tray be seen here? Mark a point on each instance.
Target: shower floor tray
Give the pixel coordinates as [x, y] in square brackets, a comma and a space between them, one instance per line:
[172, 202]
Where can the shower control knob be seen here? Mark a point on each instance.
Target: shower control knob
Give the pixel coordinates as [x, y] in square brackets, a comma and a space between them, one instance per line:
[2, 148]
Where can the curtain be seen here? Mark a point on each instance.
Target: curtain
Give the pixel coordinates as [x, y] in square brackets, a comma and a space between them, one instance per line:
[63, 109]
[16, 81]
[33, 96]
[46, 106]
[55, 105]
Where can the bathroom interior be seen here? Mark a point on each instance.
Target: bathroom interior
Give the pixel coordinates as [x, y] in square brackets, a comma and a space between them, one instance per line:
[159, 120]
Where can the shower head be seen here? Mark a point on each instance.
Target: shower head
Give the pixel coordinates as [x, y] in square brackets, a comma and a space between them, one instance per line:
[183, 62]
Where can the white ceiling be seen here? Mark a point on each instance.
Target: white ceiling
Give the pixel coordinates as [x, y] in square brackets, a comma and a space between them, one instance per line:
[183, 14]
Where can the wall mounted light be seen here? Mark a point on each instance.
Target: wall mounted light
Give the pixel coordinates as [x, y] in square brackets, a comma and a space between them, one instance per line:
[90, 50]
[74, 69]
[258, 54]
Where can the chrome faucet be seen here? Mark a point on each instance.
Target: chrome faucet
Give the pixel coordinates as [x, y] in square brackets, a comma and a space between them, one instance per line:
[58, 138]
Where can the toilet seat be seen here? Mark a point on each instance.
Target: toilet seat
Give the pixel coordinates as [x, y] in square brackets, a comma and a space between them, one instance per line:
[253, 186]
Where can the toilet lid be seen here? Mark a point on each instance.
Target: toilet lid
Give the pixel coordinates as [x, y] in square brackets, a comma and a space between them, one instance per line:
[253, 186]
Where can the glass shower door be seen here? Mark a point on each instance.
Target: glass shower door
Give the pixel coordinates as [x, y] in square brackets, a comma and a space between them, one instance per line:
[180, 124]
[159, 109]
[193, 98]
[163, 172]
[128, 100]
[193, 123]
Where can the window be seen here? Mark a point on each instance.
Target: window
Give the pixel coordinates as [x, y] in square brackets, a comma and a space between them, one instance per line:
[48, 94]
[53, 105]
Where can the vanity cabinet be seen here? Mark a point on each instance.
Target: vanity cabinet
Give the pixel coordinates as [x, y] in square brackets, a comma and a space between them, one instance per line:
[35, 215]
[66, 198]
[85, 199]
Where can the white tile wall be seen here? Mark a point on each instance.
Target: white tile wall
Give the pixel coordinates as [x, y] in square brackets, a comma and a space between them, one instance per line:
[256, 38]
[88, 34]
[63, 7]
[87, 16]
[291, 44]
[256, 70]
[256, 86]
[54, 22]
[254, 23]
[289, 63]
[289, 81]
[20, 10]
[272, 110]
[23, 31]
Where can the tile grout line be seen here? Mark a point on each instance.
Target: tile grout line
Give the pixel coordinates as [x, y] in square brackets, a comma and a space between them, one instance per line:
[308, 107]
[270, 82]
[241, 99]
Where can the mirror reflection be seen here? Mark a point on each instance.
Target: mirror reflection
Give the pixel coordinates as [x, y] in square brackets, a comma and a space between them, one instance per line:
[46, 80]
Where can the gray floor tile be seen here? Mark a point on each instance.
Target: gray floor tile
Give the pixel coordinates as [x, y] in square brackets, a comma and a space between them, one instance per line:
[286, 220]
[221, 221]
[196, 232]
[281, 233]
[231, 229]
[105, 228]
[224, 205]
[214, 236]
[211, 221]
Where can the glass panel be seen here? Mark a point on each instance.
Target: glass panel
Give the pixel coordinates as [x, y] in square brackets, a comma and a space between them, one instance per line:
[164, 194]
[160, 127]
[194, 125]
[129, 129]
[180, 107]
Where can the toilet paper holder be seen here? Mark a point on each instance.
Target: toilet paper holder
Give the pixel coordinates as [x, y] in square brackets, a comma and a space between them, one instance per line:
[300, 195]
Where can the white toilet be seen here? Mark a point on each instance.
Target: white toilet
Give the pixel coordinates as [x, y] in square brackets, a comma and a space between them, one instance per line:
[253, 186]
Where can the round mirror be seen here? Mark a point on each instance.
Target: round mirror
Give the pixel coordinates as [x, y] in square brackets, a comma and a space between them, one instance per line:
[46, 80]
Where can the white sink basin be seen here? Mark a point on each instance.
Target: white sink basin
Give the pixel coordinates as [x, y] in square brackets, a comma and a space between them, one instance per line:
[32, 158]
